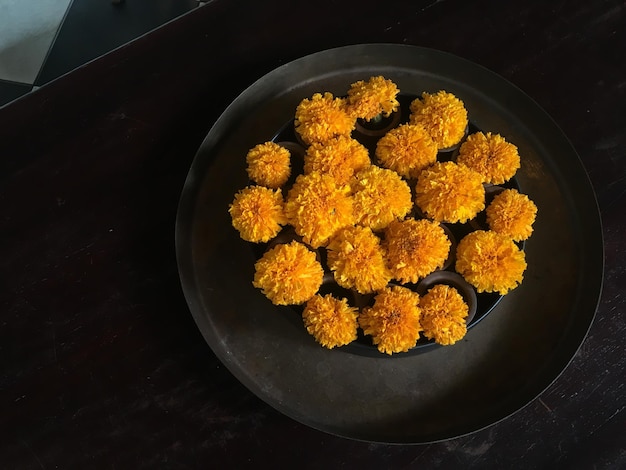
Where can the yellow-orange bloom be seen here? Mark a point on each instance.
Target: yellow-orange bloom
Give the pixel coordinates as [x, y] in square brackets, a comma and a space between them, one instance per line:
[393, 321]
[366, 100]
[512, 213]
[380, 196]
[331, 321]
[491, 262]
[269, 164]
[288, 274]
[447, 192]
[339, 157]
[322, 117]
[443, 116]
[317, 207]
[258, 213]
[490, 155]
[357, 260]
[415, 248]
[406, 149]
[443, 314]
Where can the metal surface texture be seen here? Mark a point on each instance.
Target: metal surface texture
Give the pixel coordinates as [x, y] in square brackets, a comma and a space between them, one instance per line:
[500, 366]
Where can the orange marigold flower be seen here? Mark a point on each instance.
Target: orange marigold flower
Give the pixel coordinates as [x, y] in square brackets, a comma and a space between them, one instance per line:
[380, 196]
[317, 207]
[366, 100]
[415, 248]
[448, 192]
[406, 149]
[288, 274]
[269, 164]
[357, 260]
[443, 314]
[490, 155]
[393, 321]
[512, 213]
[491, 262]
[339, 157]
[258, 213]
[322, 117]
[443, 116]
[331, 321]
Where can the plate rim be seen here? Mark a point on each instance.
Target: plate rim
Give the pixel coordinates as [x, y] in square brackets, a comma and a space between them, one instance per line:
[217, 130]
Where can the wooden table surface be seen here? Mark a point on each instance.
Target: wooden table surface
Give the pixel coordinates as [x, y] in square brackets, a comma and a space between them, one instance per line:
[101, 364]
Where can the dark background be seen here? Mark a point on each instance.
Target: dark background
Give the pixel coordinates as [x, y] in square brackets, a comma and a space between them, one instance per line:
[101, 364]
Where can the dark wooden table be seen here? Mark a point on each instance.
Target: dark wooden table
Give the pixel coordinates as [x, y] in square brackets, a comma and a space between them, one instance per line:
[101, 364]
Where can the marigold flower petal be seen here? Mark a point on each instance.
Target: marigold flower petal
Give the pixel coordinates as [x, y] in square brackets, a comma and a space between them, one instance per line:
[340, 157]
[490, 155]
[288, 274]
[393, 321]
[443, 314]
[415, 248]
[331, 321]
[258, 213]
[317, 207]
[368, 99]
[380, 196]
[357, 259]
[322, 117]
[406, 149]
[269, 164]
[447, 192]
[443, 115]
[491, 262]
[512, 213]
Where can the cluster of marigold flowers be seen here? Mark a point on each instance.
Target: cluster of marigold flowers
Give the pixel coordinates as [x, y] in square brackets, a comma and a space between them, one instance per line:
[360, 209]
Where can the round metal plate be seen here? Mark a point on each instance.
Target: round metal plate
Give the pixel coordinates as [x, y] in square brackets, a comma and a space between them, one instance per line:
[501, 365]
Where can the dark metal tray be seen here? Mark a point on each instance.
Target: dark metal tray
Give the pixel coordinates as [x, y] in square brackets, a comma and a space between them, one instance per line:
[501, 365]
